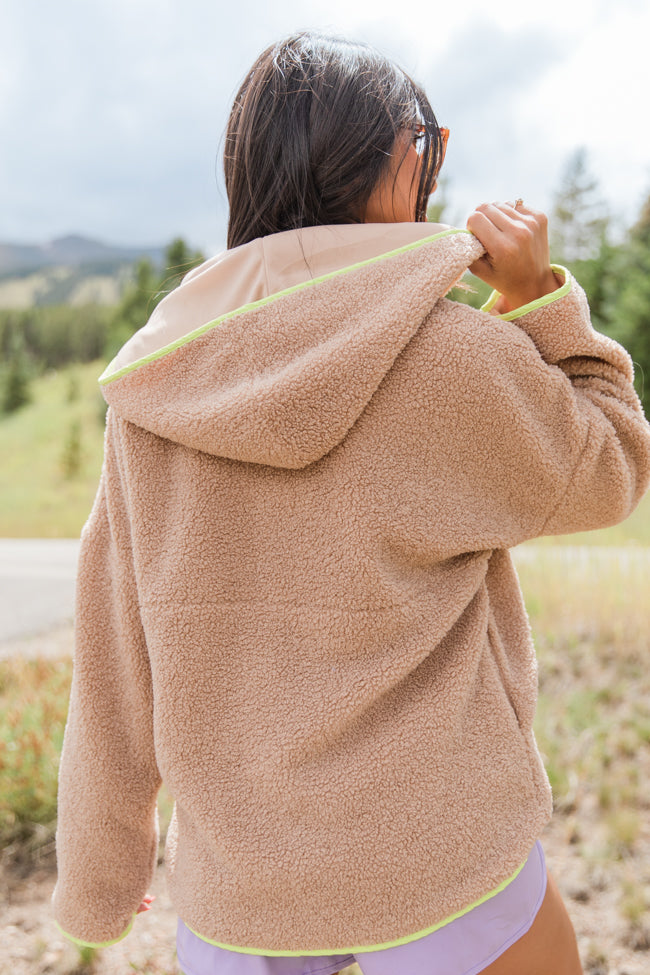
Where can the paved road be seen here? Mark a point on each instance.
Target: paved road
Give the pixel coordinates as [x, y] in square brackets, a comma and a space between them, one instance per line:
[37, 579]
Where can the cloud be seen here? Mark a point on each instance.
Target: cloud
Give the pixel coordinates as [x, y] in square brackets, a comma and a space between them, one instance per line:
[112, 115]
[478, 88]
[112, 111]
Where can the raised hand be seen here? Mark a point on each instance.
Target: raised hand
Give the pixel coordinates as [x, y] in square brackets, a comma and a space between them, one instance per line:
[517, 262]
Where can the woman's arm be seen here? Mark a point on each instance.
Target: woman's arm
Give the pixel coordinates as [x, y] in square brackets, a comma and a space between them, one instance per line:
[107, 831]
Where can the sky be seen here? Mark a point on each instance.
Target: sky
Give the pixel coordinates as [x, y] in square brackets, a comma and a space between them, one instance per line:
[112, 112]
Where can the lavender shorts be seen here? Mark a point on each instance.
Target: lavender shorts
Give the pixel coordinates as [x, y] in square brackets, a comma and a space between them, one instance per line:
[464, 946]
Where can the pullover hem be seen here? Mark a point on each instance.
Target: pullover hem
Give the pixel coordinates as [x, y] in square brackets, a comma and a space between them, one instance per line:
[365, 948]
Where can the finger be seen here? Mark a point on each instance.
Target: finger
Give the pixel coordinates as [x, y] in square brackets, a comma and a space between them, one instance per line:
[514, 214]
[504, 217]
[534, 216]
[489, 226]
[527, 211]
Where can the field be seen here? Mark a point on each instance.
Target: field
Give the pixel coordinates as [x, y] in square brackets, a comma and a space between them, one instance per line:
[51, 456]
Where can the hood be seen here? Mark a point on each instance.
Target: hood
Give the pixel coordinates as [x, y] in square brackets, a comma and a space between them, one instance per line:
[269, 352]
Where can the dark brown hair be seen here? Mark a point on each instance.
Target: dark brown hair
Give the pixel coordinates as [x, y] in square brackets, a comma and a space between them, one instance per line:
[311, 131]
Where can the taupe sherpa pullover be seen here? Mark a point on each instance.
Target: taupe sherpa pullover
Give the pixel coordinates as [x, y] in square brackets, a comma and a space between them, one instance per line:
[295, 599]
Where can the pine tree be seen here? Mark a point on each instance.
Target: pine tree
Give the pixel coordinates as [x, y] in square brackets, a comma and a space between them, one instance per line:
[148, 289]
[72, 453]
[17, 378]
[628, 304]
[579, 218]
[74, 388]
[179, 259]
[138, 301]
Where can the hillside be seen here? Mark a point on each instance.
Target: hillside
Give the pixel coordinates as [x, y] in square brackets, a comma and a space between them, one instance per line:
[72, 250]
[71, 270]
[64, 286]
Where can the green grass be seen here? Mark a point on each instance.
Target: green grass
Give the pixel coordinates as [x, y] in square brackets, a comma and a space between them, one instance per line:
[37, 500]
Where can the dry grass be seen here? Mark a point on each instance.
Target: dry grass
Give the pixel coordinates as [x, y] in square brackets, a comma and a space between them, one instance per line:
[590, 615]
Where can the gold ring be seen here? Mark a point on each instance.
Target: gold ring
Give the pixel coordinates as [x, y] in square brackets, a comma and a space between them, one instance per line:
[518, 202]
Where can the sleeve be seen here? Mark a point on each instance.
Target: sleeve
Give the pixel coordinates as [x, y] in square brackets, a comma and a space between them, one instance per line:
[107, 830]
[539, 430]
[598, 418]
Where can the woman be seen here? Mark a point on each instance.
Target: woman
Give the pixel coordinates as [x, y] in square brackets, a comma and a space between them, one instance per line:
[296, 604]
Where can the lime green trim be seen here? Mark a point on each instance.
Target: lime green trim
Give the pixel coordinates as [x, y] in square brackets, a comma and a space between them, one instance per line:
[560, 292]
[491, 302]
[106, 377]
[365, 948]
[95, 944]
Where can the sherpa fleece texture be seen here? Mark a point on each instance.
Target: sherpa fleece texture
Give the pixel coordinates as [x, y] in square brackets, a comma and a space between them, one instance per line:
[295, 599]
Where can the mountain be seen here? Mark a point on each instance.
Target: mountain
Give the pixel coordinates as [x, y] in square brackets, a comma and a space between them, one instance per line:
[71, 270]
[70, 251]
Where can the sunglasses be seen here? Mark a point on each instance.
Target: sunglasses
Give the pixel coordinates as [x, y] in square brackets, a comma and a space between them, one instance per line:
[419, 134]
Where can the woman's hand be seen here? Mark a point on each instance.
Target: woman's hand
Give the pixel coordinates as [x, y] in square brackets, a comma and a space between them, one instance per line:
[517, 262]
[147, 901]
